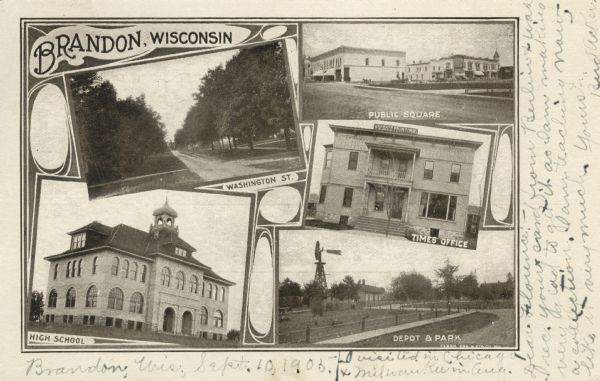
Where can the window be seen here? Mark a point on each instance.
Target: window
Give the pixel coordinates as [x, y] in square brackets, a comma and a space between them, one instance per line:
[203, 316]
[379, 201]
[328, 157]
[70, 319]
[136, 303]
[218, 318]
[138, 326]
[439, 206]
[130, 324]
[68, 269]
[367, 61]
[323, 194]
[52, 299]
[85, 319]
[125, 269]
[92, 320]
[109, 322]
[398, 63]
[210, 290]
[55, 270]
[115, 299]
[180, 280]
[348, 192]
[181, 252]
[94, 265]
[70, 300]
[222, 298]
[91, 298]
[353, 160]
[470, 65]
[73, 268]
[428, 173]
[382, 62]
[143, 273]
[78, 241]
[447, 65]
[455, 173]
[165, 277]
[118, 323]
[477, 65]
[134, 271]
[115, 266]
[434, 232]
[79, 267]
[203, 287]
[194, 284]
[384, 167]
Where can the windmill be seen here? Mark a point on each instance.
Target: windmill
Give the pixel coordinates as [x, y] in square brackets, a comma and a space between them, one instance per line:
[320, 277]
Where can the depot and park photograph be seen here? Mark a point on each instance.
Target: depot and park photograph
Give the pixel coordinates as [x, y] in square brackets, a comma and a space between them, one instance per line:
[452, 71]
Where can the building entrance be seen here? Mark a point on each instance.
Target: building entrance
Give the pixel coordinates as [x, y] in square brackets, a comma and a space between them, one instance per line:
[396, 201]
[168, 319]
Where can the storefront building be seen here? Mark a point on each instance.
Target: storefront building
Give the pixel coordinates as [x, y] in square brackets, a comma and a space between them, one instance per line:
[393, 180]
[454, 67]
[350, 64]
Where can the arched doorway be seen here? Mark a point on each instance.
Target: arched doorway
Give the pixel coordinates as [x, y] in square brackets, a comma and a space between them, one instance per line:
[186, 323]
[168, 320]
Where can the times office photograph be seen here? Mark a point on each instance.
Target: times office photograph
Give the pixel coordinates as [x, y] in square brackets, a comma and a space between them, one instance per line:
[186, 122]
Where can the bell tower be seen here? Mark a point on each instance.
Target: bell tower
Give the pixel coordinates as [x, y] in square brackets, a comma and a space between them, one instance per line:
[164, 218]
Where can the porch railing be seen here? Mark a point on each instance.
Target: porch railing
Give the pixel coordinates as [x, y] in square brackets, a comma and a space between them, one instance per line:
[388, 174]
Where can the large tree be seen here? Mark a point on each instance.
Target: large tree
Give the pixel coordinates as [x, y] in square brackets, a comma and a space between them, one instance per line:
[469, 286]
[36, 306]
[447, 279]
[315, 294]
[411, 286]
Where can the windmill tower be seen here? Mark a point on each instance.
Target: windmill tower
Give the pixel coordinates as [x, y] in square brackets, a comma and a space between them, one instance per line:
[320, 277]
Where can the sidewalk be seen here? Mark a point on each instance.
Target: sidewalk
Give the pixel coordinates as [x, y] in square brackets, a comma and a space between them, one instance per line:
[449, 92]
[384, 331]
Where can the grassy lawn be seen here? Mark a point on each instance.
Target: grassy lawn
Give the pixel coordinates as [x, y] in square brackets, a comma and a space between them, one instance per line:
[116, 333]
[243, 153]
[485, 323]
[182, 179]
[282, 165]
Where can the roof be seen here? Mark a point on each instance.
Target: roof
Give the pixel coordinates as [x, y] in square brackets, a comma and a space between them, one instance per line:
[372, 131]
[350, 49]
[147, 245]
[371, 289]
[467, 57]
[165, 209]
[393, 147]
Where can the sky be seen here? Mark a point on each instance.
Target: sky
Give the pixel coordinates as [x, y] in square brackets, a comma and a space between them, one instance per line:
[423, 41]
[478, 170]
[378, 260]
[64, 206]
[168, 85]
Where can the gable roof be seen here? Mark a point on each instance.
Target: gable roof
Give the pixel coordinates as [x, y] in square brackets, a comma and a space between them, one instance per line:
[148, 245]
[371, 289]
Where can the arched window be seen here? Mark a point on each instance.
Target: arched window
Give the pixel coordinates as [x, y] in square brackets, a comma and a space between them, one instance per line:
[125, 269]
[52, 299]
[68, 269]
[213, 294]
[73, 268]
[94, 265]
[143, 273]
[222, 294]
[169, 222]
[55, 270]
[203, 316]
[180, 280]
[114, 270]
[134, 270]
[136, 303]
[115, 299]
[79, 267]
[194, 284]
[91, 298]
[165, 277]
[218, 318]
[210, 290]
[203, 287]
[70, 300]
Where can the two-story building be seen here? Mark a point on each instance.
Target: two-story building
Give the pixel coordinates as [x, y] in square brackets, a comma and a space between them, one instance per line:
[350, 64]
[391, 179]
[125, 278]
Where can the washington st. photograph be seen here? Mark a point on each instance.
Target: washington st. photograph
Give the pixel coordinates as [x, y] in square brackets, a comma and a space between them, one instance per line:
[185, 122]
[135, 270]
[339, 290]
[408, 181]
[430, 71]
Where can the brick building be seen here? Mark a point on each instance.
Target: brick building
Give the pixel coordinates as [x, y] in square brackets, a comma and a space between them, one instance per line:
[125, 278]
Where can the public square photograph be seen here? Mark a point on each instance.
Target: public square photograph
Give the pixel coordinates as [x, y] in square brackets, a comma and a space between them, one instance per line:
[186, 122]
[429, 71]
[341, 290]
[132, 271]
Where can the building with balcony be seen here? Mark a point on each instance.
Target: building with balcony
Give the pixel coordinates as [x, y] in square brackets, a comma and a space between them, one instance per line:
[124, 278]
[454, 67]
[392, 179]
[350, 64]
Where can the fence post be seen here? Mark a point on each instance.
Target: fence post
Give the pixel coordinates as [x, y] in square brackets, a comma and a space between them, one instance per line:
[396, 318]
[448, 308]
[419, 315]
[362, 323]
[436, 313]
[390, 306]
[308, 333]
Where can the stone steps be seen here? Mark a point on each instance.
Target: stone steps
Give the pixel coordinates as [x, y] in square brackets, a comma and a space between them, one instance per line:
[379, 225]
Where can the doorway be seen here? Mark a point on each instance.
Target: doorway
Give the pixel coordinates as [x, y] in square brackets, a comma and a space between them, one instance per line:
[397, 197]
[186, 323]
[168, 319]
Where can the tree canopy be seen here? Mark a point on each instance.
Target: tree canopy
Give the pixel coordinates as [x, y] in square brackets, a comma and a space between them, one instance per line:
[246, 99]
[411, 286]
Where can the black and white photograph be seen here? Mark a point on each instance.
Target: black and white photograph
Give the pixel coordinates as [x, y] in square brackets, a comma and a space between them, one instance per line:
[423, 70]
[186, 122]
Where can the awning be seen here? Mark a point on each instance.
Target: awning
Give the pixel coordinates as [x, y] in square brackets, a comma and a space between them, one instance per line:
[479, 73]
[330, 72]
[318, 73]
